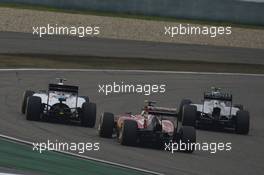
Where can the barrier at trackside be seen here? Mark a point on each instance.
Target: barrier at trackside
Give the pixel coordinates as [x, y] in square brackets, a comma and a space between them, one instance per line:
[236, 11]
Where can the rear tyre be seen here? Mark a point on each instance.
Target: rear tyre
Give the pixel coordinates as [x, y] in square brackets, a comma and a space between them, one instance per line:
[242, 122]
[26, 94]
[187, 138]
[189, 115]
[33, 110]
[106, 125]
[182, 104]
[88, 116]
[128, 133]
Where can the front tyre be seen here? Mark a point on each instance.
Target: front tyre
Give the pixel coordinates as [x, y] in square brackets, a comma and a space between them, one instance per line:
[88, 115]
[106, 125]
[242, 122]
[33, 110]
[26, 94]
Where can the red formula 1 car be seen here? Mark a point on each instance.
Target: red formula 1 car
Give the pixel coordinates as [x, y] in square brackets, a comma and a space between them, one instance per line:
[154, 126]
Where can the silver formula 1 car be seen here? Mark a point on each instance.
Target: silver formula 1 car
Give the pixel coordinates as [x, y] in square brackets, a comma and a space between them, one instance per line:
[59, 102]
[218, 109]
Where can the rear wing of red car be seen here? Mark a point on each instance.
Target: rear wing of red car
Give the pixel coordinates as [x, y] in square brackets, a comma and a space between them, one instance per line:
[162, 111]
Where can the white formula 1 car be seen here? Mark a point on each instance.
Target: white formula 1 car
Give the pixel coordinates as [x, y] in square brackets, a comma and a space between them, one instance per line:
[218, 109]
[59, 102]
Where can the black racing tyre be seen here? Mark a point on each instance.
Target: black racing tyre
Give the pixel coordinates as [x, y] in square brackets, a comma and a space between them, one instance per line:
[183, 103]
[88, 115]
[187, 138]
[239, 106]
[189, 115]
[128, 133]
[26, 94]
[106, 125]
[86, 98]
[242, 122]
[33, 108]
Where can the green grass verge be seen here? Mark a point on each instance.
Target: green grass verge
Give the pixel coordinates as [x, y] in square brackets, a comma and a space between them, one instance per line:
[22, 158]
[127, 15]
[86, 62]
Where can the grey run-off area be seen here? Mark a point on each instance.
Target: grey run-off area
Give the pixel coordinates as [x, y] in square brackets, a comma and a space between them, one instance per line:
[25, 43]
[217, 10]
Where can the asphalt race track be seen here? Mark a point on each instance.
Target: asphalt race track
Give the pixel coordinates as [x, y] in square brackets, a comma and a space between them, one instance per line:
[246, 156]
[14, 43]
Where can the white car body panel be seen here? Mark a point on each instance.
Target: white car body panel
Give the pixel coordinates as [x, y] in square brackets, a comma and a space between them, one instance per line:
[54, 98]
[209, 105]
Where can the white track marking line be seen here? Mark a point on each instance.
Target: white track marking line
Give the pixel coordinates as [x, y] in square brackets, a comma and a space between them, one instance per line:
[84, 157]
[133, 71]
[8, 174]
